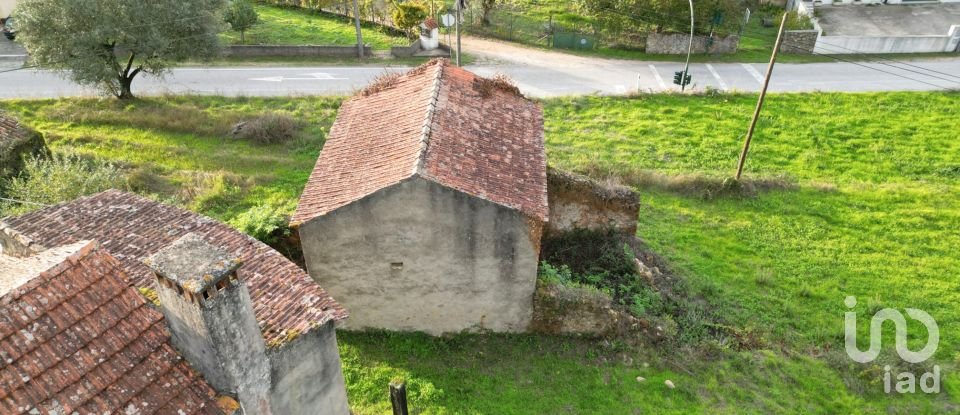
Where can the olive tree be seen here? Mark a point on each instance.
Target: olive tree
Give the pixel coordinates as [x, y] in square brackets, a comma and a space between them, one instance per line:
[241, 16]
[107, 43]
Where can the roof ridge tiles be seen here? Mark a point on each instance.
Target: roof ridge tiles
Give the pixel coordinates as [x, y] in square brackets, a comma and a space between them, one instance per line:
[428, 122]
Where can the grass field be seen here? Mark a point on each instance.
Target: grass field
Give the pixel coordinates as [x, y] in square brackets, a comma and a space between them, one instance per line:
[863, 200]
[291, 26]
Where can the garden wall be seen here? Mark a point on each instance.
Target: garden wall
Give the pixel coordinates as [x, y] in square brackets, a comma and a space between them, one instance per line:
[252, 51]
[677, 44]
[799, 41]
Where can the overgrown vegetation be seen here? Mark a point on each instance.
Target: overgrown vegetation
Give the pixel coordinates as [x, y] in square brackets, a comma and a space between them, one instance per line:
[864, 201]
[61, 178]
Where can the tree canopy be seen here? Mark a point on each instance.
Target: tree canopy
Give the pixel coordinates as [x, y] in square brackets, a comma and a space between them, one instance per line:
[241, 15]
[107, 43]
[721, 16]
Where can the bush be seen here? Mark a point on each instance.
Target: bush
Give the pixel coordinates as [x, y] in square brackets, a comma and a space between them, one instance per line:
[272, 128]
[266, 223]
[408, 15]
[58, 179]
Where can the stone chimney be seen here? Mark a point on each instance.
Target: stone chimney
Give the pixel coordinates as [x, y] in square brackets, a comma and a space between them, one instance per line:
[211, 319]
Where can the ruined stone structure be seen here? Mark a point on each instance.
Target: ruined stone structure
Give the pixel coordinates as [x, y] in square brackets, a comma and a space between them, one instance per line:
[16, 143]
[579, 202]
[427, 204]
[246, 318]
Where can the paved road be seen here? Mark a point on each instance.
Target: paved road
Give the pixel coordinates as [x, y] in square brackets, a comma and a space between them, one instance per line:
[539, 73]
[619, 78]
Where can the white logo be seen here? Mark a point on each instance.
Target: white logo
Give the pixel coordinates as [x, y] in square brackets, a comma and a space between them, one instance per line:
[906, 381]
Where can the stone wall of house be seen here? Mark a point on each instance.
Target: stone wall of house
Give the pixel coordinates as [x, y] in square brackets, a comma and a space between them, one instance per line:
[799, 41]
[306, 375]
[677, 44]
[421, 256]
[579, 202]
[252, 51]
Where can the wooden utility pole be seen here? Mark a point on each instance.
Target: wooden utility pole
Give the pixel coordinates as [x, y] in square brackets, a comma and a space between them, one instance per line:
[398, 398]
[356, 19]
[763, 94]
[459, 11]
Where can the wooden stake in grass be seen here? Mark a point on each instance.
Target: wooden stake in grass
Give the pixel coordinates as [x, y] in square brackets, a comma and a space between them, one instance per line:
[763, 94]
[398, 397]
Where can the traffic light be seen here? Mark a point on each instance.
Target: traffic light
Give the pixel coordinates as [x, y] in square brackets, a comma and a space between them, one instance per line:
[681, 80]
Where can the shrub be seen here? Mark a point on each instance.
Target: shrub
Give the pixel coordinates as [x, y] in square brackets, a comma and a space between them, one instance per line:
[272, 128]
[267, 223]
[58, 179]
[408, 15]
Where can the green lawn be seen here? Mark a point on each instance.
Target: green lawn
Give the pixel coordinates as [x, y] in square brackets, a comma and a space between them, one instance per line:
[866, 203]
[292, 26]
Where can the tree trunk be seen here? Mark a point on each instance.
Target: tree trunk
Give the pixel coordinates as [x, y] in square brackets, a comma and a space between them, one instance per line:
[125, 92]
[243, 41]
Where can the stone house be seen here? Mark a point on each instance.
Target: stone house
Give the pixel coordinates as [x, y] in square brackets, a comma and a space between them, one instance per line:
[249, 320]
[426, 206]
[76, 338]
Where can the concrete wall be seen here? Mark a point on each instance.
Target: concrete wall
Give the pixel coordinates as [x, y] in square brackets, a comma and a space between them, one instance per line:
[799, 41]
[405, 51]
[306, 375]
[677, 44]
[6, 6]
[887, 44]
[420, 256]
[579, 202]
[251, 51]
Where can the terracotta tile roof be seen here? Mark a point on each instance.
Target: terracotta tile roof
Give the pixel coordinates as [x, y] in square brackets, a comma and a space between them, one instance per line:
[131, 228]
[442, 123]
[77, 339]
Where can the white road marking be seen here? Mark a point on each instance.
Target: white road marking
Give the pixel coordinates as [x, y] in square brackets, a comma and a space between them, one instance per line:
[318, 76]
[723, 85]
[753, 71]
[656, 75]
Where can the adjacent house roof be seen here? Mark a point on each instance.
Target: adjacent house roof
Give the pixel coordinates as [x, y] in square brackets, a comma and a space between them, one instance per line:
[441, 123]
[131, 228]
[75, 338]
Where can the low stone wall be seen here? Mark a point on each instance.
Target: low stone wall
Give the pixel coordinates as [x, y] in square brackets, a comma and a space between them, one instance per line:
[16, 143]
[801, 42]
[579, 202]
[677, 43]
[561, 309]
[285, 51]
[405, 51]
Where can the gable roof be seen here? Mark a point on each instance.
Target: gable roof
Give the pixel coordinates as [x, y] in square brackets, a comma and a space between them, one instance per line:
[439, 122]
[130, 227]
[77, 339]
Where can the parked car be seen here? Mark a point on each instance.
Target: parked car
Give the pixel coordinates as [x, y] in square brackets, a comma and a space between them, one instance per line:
[9, 29]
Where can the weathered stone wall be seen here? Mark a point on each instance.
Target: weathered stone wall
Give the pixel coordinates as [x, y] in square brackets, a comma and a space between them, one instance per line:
[15, 244]
[16, 143]
[306, 375]
[421, 256]
[799, 41]
[252, 51]
[578, 202]
[677, 44]
[560, 309]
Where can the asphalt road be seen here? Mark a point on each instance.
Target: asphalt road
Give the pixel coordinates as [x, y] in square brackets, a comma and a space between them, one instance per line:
[538, 80]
